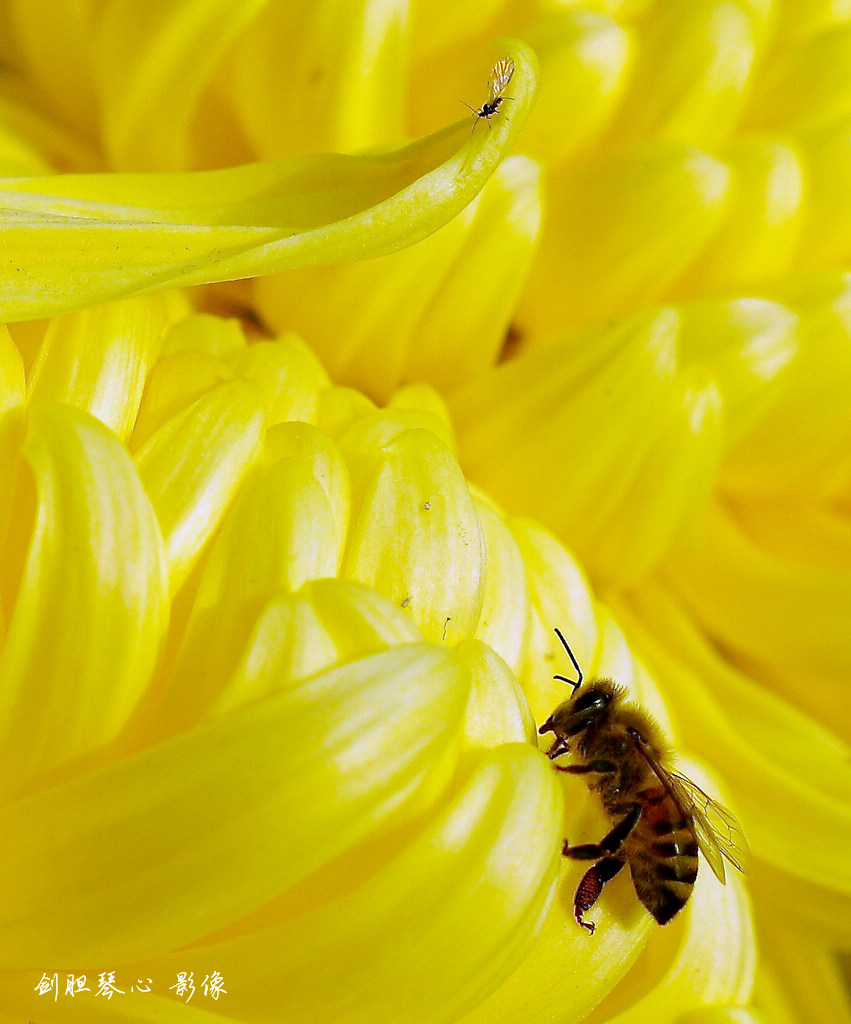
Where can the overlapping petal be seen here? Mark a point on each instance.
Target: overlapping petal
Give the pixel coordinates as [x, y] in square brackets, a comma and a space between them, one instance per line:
[190, 835]
[113, 235]
[85, 585]
[640, 325]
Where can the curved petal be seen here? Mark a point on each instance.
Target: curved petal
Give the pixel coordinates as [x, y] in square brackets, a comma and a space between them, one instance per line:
[693, 73]
[74, 240]
[334, 67]
[283, 528]
[415, 534]
[459, 904]
[91, 608]
[12, 385]
[155, 57]
[193, 465]
[98, 360]
[186, 837]
[427, 301]
[504, 620]
[571, 423]
[622, 227]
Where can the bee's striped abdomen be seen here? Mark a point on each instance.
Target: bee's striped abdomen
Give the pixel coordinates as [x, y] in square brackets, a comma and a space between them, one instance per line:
[663, 855]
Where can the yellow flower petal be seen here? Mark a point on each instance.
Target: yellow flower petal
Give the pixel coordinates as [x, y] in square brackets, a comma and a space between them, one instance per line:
[479, 292]
[459, 904]
[192, 466]
[565, 975]
[289, 374]
[460, 283]
[763, 221]
[112, 235]
[749, 593]
[154, 57]
[98, 360]
[604, 396]
[52, 44]
[807, 973]
[416, 537]
[91, 603]
[281, 531]
[11, 372]
[584, 61]
[175, 382]
[192, 834]
[671, 489]
[805, 431]
[824, 231]
[748, 346]
[328, 622]
[504, 617]
[560, 595]
[336, 70]
[805, 86]
[693, 64]
[498, 711]
[621, 229]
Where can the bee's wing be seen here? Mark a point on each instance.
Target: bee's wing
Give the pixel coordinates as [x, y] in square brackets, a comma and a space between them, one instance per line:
[719, 835]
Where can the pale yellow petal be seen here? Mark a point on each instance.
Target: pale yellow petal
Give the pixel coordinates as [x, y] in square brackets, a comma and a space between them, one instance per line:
[622, 227]
[91, 605]
[498, 711]
[479, 292]
[804, 86]
[585, 58]
[504, 619]
[191, 835]
[11, 372]
[767, 213]
[693, 65]
[289, 374]
[327, 623]
[53, 43]
[336, 69]
[571, 423]
[280, 531]
[194, 464]
[560, 595]
[415, 534]
[78, 239]
[98, 360]
[457, 904]
[154, 57]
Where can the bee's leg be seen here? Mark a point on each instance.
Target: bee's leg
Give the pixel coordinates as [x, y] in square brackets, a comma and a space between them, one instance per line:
[589, 889]
[610, 843]
[602, 767]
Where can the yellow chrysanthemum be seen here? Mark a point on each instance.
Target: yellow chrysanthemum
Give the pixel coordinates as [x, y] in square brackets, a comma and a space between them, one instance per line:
[273, 654]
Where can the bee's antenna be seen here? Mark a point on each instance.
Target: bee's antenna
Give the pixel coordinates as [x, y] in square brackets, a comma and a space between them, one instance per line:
[575, 683]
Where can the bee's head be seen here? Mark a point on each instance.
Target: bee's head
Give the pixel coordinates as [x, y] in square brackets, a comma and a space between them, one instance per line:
[587, 709]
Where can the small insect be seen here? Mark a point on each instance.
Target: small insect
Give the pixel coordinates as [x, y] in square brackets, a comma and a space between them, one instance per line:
[660, 818]
[500, 76]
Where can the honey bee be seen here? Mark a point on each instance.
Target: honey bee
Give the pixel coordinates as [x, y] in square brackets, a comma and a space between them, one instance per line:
[500, 76]
[660, 818]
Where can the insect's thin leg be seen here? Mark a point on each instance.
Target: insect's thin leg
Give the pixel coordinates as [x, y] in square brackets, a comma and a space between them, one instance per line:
[575, 683]
[610, 843]
[591, 885]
